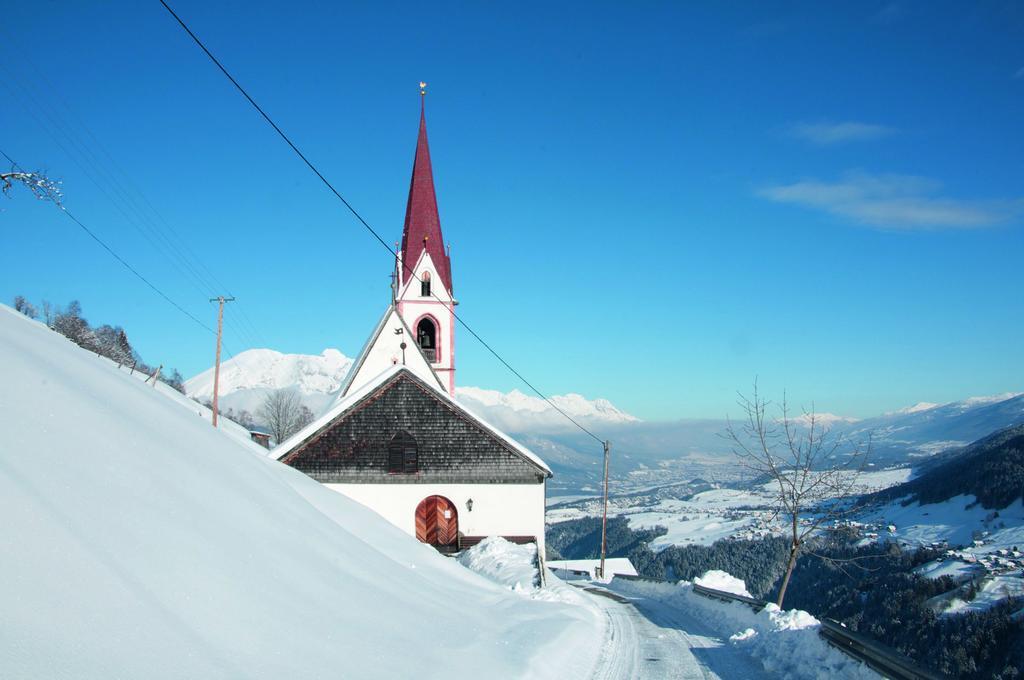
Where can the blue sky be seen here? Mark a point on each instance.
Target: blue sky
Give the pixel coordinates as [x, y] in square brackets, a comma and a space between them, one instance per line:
[651, 203]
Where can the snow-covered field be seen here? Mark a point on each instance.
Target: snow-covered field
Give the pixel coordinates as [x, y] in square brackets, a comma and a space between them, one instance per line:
[707, 516]
[957, 521]
[992, 591]
[978, 545]
[138, 541]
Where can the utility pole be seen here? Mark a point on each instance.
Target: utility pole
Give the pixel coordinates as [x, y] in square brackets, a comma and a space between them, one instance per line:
[604, 516]
[216, 367]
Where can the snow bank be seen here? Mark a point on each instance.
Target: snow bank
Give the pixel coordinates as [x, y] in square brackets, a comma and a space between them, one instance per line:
[720, 580]
[513, 566]
[138, 541]
[785, 642]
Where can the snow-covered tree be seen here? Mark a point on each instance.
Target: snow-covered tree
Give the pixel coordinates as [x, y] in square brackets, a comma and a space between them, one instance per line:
[41, 186]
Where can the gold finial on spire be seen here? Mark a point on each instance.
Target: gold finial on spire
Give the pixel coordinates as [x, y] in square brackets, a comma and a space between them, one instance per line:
[423, 89]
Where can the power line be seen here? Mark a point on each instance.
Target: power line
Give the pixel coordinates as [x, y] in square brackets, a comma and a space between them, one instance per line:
[117, 257]
[195, 271]
[359, 217]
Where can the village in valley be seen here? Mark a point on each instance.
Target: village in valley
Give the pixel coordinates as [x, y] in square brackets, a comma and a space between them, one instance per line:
[646, 403]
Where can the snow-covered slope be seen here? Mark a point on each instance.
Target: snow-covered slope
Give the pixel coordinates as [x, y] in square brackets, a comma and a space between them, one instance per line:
[138, 541]
[246, 378]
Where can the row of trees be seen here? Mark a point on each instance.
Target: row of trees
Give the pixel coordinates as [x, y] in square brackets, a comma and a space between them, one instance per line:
[759, 563]
[105, 340]
[282, 411]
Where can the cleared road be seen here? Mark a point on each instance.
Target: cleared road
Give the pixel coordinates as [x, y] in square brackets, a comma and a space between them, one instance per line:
[648, 639]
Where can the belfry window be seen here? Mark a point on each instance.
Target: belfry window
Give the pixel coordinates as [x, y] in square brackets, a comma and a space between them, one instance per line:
[426, 338]
[403, 456]
[425, 285]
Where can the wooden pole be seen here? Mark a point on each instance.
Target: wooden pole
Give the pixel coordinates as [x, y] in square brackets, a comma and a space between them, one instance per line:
[604, 516]
[216, 366]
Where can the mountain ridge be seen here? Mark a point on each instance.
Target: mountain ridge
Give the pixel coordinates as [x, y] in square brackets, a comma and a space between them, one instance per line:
[644, 451]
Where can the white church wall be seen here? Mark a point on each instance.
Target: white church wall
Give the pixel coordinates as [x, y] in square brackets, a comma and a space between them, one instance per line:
[386, 351]
[498, 509]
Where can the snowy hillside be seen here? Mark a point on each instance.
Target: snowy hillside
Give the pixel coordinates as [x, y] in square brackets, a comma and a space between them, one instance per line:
[141, 542]
[246, 378]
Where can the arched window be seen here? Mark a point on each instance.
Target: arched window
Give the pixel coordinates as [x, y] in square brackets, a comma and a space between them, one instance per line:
[426, 338]
[402, 454]
[425, 285]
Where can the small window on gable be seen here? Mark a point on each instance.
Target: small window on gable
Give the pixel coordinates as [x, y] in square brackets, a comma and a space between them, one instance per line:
[403, 457]
[425, 285]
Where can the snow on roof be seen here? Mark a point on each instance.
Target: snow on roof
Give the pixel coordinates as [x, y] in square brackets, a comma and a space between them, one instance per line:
[355, 397]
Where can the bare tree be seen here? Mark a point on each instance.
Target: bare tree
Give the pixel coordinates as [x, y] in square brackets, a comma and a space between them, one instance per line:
[41, 186]
[48, 313]
[807, 467]
[284, 414]
[25, 307]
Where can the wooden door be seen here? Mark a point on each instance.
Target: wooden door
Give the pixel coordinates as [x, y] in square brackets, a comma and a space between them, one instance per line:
[437, 521]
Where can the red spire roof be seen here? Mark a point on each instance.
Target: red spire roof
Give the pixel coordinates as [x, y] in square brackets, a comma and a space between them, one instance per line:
[422, 223]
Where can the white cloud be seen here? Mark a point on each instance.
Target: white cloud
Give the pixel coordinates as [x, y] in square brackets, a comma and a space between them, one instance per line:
[892, 201]
[829, 134]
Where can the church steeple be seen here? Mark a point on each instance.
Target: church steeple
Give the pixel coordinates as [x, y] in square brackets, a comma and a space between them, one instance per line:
[423, 295]
[422, 230]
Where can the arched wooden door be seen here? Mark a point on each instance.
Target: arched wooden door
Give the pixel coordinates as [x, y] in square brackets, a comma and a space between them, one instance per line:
[437, 521]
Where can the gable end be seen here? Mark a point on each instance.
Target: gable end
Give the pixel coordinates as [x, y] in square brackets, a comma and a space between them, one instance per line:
[452, 447]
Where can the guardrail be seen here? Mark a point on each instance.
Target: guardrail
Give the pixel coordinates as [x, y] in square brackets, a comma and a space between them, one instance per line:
[887, 662]
[756, 605]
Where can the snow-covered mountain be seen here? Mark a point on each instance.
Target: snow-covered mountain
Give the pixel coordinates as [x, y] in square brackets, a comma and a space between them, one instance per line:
[673, 449]
[140, 542]
[246, 378]
[925, 429]
[517, 412]
[822, 420]
[249, 376]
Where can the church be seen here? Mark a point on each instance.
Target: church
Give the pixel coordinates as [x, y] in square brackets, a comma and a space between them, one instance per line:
[395, 439]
